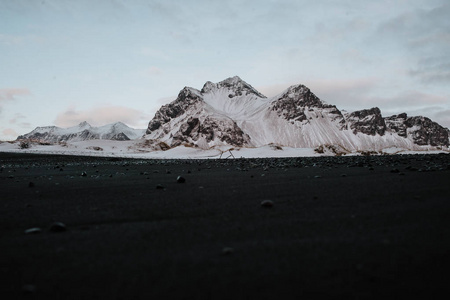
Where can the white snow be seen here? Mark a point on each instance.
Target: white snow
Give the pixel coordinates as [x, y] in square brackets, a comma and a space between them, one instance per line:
[103, 132]
[131, 149]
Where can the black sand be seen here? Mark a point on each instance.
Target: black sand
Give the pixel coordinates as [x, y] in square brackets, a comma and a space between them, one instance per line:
[349, 227]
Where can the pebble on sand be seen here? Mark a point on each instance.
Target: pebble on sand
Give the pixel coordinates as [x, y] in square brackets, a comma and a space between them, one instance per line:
[29, 288]
[33, 230]
[227, 251]
[267, 203]
[58, 227]
[181, 179]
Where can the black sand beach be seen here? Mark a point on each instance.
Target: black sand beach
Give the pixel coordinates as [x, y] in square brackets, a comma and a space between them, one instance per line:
[340, 227]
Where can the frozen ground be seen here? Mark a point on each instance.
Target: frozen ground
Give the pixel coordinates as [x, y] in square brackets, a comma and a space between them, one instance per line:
[134, 149]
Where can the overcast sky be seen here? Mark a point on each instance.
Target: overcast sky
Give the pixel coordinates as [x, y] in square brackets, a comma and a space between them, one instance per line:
[63, 62]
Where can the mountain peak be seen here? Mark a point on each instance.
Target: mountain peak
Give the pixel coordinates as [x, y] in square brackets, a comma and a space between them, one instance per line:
[235, 85]
[84, 124]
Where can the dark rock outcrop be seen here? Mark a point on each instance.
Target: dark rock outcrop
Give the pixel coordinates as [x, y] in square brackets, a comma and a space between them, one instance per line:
[396, 123]
[421, 130]
[225, 130]
[291, 105]
[426, 132]
[187, 98]
[367, 121]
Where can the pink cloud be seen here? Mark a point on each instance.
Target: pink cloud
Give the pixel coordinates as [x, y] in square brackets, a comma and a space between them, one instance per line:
[103, 115]
[11, 93]
[9, 132]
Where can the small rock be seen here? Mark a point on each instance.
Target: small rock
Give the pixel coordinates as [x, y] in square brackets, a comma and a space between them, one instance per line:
[58, 227]
[317, 176]
[395, 171]
[181, 179]
[33, 230]
[343, 175]
[31, 184]
[267, 203]
[159, 187]
[84, 174]
[29, 288]
[227, 251]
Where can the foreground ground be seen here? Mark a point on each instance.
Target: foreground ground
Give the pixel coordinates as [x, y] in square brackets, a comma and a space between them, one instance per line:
[339, 227]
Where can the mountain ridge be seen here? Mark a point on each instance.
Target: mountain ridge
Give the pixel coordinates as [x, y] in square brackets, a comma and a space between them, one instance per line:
[84, 131]
[232, 112]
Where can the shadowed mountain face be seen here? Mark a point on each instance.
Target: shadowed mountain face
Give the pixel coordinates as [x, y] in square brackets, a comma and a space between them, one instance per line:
[232, 112]
[82, 132]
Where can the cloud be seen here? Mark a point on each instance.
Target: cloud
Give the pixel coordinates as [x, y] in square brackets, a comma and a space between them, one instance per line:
[16, 118]
[102, 115]
[154, 71]
[423, 35]
[432, 70]
[11, 93]
[9, 132]
[443, 117]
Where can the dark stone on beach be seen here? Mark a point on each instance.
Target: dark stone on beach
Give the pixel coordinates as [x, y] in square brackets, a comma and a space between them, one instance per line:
[58, 227]
[267, 203]
[159, 187]
[31, 184]
[83, 174]
[227, 251]
[29, 288]
[33, 230]
[181, 179]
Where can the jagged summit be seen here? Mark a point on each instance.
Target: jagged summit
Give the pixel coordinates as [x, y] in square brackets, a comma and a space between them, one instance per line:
[84, 124]
[232, 112]
[235, 85]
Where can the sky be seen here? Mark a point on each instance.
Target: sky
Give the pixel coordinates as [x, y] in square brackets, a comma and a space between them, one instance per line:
[63, 62]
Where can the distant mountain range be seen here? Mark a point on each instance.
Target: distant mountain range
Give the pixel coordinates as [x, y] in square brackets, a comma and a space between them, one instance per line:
[232, 112]
[83, 131]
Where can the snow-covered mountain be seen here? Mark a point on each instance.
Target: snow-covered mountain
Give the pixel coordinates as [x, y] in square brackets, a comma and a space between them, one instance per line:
[232, 112]
[82, 132]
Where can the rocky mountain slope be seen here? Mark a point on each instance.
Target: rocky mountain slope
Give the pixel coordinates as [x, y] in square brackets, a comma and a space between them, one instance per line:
[82, 132]
[233, 113]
